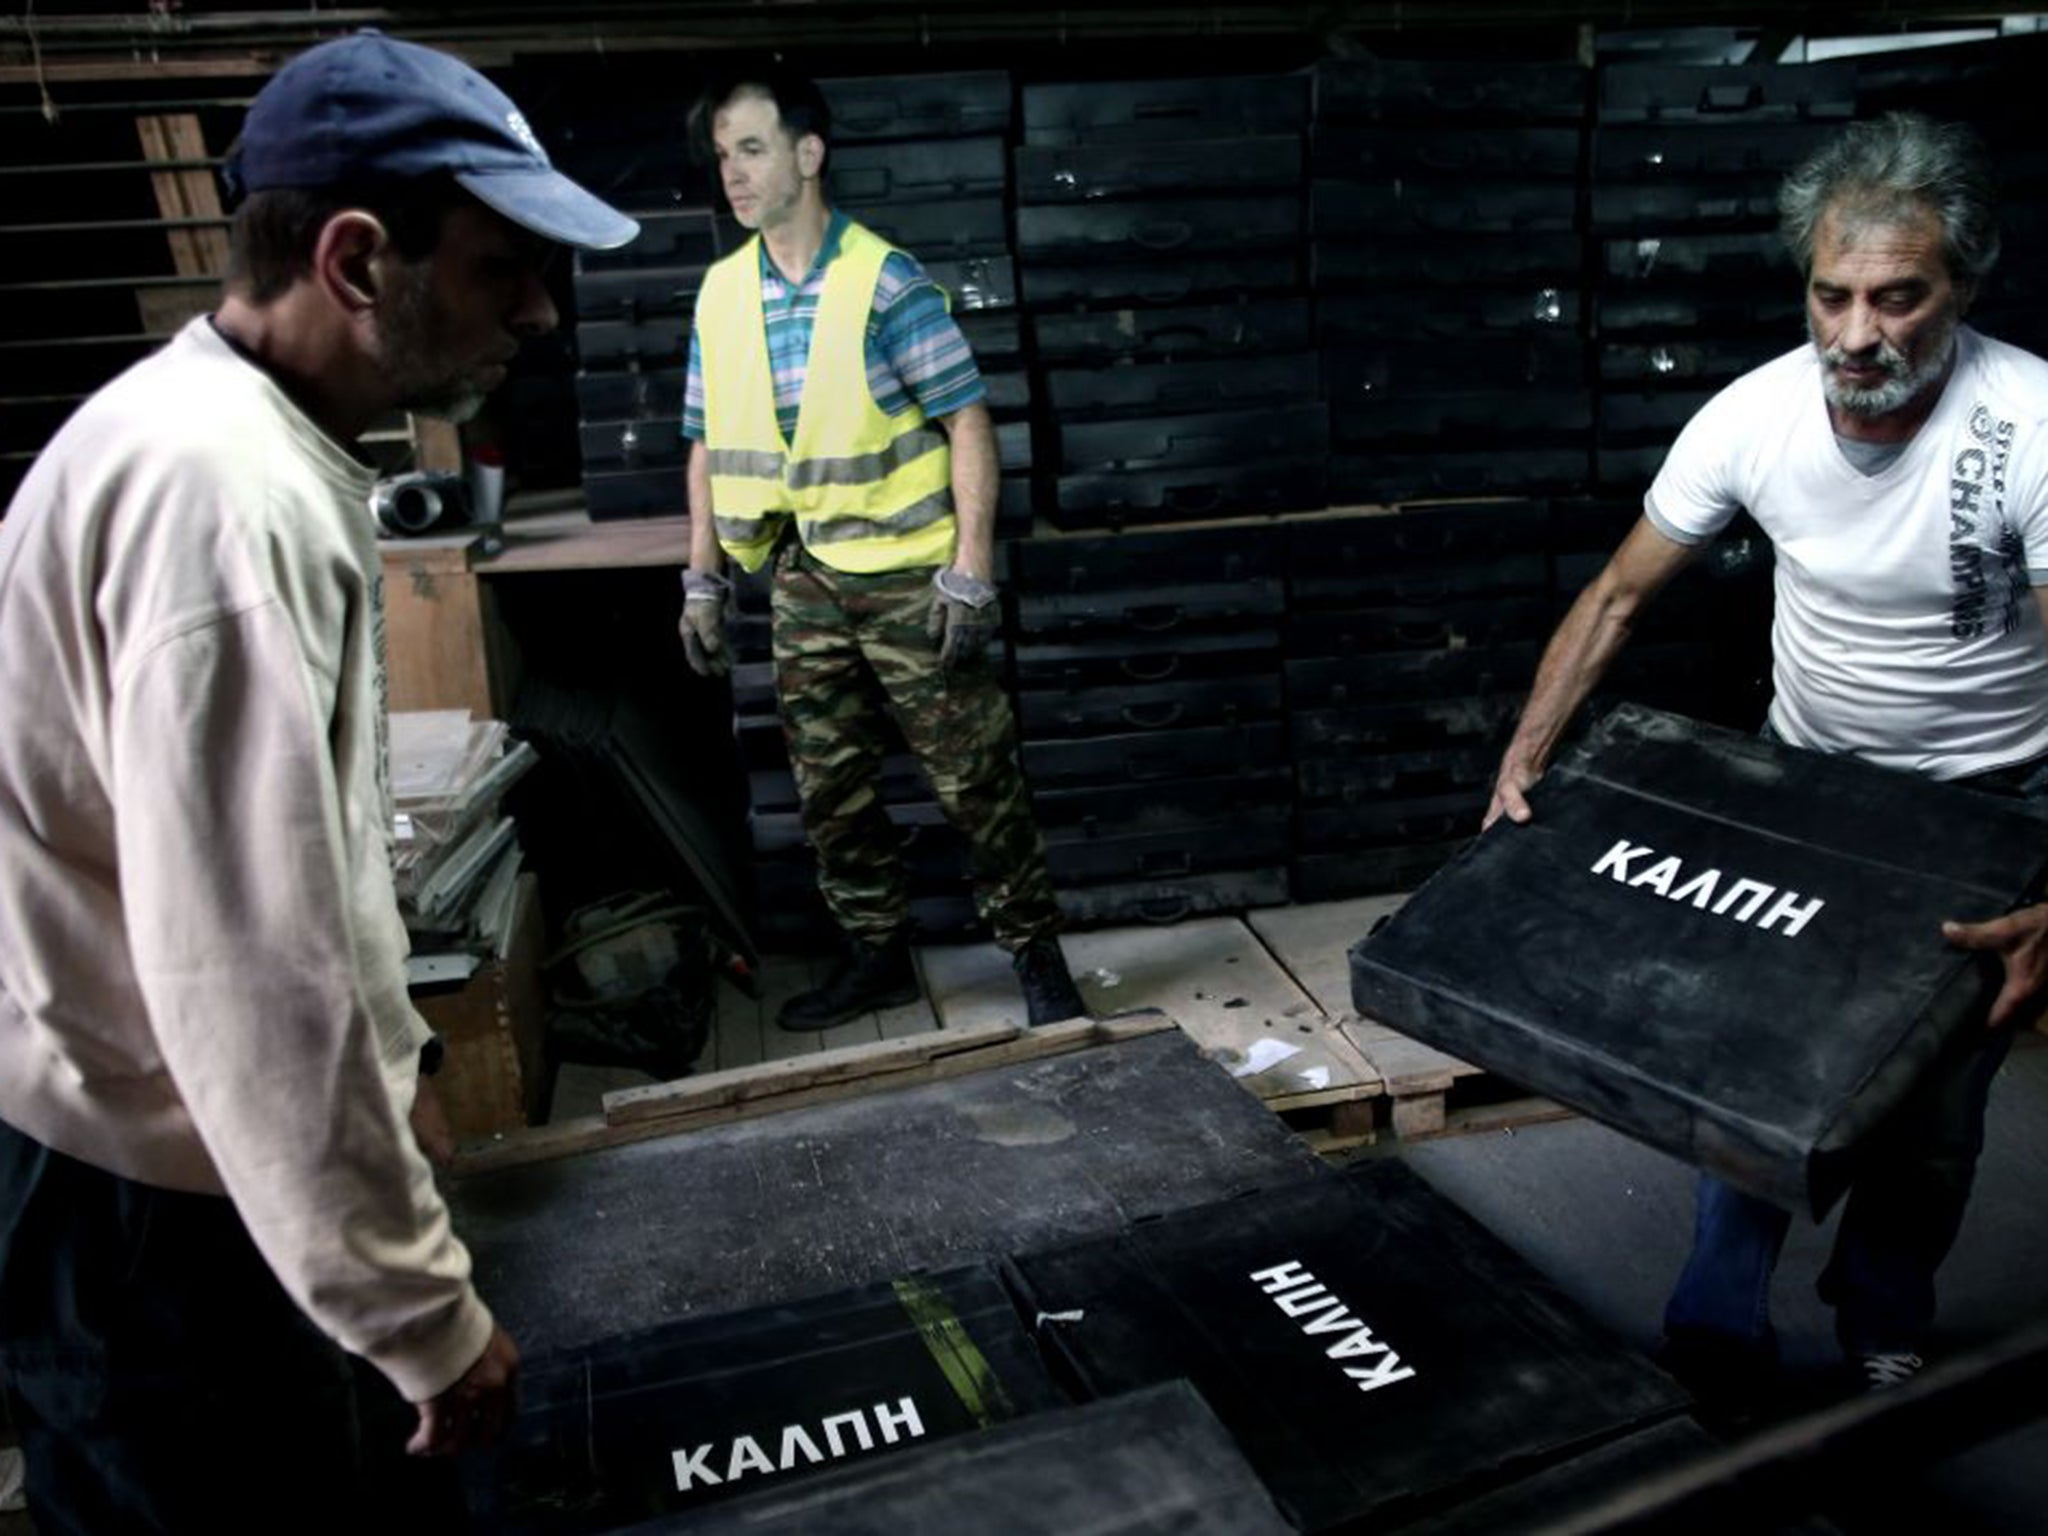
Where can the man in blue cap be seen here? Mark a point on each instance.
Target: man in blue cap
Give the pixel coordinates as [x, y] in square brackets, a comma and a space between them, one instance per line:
[210, 1195]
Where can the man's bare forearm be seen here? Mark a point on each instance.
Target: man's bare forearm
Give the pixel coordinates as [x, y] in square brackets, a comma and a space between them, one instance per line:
[705, 555]
[1578, 656]
[977, 480]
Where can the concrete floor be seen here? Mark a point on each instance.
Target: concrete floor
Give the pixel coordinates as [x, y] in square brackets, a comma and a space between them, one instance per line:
[1609, 1221]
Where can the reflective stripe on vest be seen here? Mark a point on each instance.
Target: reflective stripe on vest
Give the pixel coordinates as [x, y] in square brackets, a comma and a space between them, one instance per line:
[869, 491]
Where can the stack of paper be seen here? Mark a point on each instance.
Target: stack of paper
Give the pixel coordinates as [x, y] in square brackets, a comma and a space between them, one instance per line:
[456, 858]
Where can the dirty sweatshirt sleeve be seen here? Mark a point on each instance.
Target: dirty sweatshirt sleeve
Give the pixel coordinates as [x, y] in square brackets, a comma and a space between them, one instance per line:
[236, 885]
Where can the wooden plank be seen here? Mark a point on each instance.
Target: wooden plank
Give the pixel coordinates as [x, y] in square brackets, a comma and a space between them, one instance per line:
[570, 541]
[437, 619]
[1313, 941]
[152, 70]
[493, 1025]
[1507, 1115]
[748, 1092]
[186, 194]
[1230, 995]
[870, 1059]
[1405, 1066]
[1339, 1127]
[573, 1137]
[580, 1088]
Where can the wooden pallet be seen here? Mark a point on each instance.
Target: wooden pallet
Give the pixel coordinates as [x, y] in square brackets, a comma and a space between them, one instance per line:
[1212, 976]
[1423, 1092]
[1266, 997]
[1430, 1094]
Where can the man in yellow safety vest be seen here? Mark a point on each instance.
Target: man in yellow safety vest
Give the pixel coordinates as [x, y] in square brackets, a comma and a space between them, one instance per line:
[838, 436]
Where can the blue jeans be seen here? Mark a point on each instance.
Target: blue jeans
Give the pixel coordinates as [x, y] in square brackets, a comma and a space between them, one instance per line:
[1901, 1219]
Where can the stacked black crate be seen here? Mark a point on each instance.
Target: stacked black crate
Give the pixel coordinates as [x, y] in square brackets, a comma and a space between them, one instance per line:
[923, 161]
[1694, 289]
[1149, 690]
[1411, 641]
[1977, 85]
[1159, 225]
[633, 308]
[1448, 275]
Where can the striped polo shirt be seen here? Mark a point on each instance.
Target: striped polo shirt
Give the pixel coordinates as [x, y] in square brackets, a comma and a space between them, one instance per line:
[915, 351]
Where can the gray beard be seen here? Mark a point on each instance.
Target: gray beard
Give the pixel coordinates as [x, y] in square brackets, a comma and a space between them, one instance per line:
[1905, 385]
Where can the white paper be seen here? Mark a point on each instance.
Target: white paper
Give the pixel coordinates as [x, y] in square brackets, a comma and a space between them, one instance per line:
[1263, 1054]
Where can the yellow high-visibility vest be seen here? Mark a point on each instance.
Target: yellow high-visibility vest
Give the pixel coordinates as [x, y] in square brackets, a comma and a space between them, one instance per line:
[869, 491]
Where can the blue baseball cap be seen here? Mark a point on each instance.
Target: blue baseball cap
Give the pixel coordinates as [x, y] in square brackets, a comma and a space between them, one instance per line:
[369, 108]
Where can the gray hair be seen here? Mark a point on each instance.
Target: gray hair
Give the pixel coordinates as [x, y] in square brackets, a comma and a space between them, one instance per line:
[1880, 171]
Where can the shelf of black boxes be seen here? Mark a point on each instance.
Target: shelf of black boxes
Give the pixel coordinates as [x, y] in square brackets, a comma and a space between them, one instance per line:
[1692, 285]
[1448, 270]
[1702, 649]
[945, 201]
[1149, 699]
[1159, 245]
[1976, 84]
[951, 104]
[1411, 639]
[633, 309]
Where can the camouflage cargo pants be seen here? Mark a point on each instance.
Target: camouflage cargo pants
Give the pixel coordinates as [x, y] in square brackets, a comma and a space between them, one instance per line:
[850, 650]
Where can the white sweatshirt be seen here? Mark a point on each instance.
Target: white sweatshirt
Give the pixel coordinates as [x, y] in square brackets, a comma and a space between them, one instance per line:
[202, 979]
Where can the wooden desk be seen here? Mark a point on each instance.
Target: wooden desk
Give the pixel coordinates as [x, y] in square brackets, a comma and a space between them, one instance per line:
[444, 647]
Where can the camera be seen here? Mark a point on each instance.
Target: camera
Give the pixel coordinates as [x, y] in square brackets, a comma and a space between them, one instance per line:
[425, 501]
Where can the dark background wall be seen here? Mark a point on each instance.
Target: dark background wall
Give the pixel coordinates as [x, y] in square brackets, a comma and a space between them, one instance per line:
[1280, 272]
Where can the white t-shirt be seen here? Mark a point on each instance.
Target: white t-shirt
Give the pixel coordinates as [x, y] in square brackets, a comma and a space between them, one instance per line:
[1906, 630]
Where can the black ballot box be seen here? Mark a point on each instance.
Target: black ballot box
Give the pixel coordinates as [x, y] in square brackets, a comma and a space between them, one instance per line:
[1148, 1463]
[692, 1412]
[1378, 1355]
[1726, 947]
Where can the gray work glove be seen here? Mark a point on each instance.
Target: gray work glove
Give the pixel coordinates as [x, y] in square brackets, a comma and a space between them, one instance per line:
[964, 617]
[703, 625]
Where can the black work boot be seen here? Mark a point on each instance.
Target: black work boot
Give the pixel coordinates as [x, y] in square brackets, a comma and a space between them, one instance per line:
[867, 977]
[1049, 992]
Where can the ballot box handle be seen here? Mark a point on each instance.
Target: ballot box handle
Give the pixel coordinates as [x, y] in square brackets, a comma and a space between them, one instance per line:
[1149, 669]
[1731, 97]
[863, 116]
[1162, 234]
[1162, 910]
[1155, 618]
[1153, 717]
